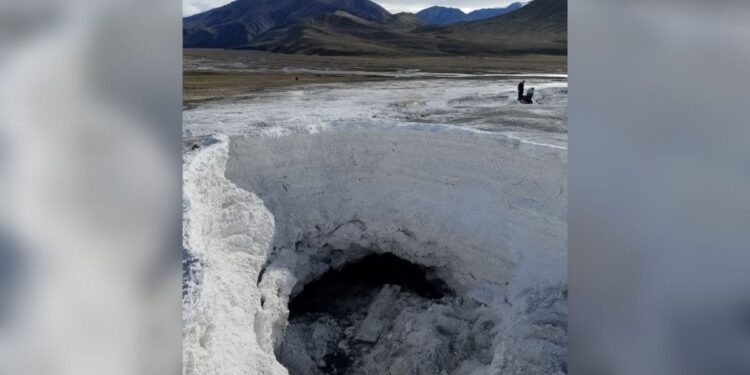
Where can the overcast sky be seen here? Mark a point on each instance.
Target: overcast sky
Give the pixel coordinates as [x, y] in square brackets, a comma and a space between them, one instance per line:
[394, 6]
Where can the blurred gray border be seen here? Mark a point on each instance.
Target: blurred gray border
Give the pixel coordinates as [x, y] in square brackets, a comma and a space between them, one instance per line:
[91, 192]
[659, 207]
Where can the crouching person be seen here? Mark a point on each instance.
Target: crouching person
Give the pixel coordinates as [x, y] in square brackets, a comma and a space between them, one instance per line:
[529, 97]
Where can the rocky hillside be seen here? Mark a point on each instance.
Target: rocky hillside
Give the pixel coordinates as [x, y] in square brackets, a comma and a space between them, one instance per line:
[363, 30]
[243, 21]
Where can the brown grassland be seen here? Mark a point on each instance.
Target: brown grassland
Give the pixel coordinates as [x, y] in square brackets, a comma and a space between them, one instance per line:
[232, 74]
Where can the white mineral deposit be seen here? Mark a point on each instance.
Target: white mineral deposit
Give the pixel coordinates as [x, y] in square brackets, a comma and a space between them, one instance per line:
[398, 227]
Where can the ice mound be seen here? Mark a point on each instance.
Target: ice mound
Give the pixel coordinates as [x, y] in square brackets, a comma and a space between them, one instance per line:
[266, 214]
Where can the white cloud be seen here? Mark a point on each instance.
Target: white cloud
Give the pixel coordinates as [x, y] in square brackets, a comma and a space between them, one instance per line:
[190, 7]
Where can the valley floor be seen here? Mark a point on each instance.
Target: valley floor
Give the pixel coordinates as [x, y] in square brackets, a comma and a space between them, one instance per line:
[277, 92]
[220, 75]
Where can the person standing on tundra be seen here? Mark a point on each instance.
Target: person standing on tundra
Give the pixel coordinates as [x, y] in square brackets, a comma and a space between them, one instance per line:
[520, 90]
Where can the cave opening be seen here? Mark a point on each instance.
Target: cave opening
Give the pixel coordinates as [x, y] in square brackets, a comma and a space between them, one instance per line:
[339, 291]
[354, 320]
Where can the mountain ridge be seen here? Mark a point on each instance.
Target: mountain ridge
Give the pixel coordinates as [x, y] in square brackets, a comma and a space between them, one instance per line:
[440, 15]
[242, 21]
[537, 28]
[485, 13]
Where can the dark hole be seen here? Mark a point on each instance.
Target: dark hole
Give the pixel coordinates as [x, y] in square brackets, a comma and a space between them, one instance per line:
[339, 303]
[360, 280]
[336, 363]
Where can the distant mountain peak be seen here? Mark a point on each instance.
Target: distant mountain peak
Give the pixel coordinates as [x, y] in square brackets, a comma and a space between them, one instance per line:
[439, 15]
[440, 7]
[243, 21]
[485, 13]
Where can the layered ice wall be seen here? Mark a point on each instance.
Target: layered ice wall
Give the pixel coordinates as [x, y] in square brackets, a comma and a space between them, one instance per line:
[268, 212]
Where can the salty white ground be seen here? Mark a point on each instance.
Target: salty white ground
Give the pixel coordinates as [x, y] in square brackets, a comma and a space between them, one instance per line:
[484, 104]
[454, 174]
